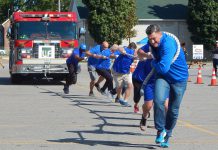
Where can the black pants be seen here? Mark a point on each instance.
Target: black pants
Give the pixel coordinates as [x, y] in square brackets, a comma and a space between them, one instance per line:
[109, 79]
[72, 75]
[137, 87]
[215, 64]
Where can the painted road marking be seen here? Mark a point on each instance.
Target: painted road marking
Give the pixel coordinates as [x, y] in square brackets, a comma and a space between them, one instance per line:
[189, 125]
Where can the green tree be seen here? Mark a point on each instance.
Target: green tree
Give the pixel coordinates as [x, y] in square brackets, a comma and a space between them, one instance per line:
[203, 22]
[111, 20]
[131, 17]
[5, 6]
[46, 5]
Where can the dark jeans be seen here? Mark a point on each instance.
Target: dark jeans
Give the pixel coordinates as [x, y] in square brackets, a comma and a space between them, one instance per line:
[109, 79]
[215, 64]
[72, 75]
[137, 87]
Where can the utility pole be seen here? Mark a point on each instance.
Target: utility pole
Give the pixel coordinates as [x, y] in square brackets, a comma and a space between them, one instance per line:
[8, 13]
[59, 5]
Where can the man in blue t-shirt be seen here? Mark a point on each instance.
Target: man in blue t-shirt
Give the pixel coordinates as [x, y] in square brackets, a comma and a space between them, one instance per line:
[77, 55]
[171, 80]
[141, 72]
[121, 72]
[94, 54]
[103, 69]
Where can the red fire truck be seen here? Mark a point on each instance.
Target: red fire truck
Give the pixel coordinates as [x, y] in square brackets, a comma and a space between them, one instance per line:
[40, 42]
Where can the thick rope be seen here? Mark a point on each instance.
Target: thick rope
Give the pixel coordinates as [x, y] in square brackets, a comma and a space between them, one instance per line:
[153, 70]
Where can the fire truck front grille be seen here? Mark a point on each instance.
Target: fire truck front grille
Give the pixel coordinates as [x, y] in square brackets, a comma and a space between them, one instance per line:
[35, 53]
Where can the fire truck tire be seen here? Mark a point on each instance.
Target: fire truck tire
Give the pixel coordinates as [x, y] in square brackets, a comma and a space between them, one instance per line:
[15, 79]
[59, 78]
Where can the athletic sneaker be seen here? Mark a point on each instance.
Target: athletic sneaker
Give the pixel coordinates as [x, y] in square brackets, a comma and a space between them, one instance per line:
[103, 92]
[142, 123]
[165, 144]
[124, 103]
[114, 91]
[160, 136]
[111, 94]
[66, 89]
[136, 109]
[91, 94]
[116, 100]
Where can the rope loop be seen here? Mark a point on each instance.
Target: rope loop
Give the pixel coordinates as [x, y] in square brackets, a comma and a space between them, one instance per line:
[153, 70]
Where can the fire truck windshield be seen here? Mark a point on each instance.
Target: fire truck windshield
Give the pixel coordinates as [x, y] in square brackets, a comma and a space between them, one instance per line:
[46, 30]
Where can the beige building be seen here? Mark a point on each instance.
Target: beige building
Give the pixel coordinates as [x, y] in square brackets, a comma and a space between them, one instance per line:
[174, 26]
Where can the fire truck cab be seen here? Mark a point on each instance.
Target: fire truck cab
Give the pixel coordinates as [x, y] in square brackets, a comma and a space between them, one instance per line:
[40, 43]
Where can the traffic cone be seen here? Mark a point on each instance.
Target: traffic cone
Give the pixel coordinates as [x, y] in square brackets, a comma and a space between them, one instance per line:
[199, 78]
[133, 66]
[213, 79]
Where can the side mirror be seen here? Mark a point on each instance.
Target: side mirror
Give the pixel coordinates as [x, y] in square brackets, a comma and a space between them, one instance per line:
[82, 31]
[9, 33]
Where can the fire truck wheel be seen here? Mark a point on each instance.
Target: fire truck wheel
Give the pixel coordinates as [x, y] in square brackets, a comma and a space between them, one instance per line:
[15, 79]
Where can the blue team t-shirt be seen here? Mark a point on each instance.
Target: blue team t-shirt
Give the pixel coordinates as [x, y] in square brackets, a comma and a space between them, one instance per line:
[143, 68]
[164, 54]
[95, 50]
[104, 63]
[117, 53]
[122, 62]
[72, 59]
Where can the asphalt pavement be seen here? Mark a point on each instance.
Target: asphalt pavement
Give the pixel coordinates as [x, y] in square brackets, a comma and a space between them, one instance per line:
[39, 116]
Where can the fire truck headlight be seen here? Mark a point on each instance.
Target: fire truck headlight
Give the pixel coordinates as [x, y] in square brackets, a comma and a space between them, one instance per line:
[67, 50]
[25, 53]
[26, 50]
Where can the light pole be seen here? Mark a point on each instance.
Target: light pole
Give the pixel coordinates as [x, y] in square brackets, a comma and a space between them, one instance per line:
[59, 5]
[8, 13]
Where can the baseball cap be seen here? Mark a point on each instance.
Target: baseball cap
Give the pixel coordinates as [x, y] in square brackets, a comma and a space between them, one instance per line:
[83, 46]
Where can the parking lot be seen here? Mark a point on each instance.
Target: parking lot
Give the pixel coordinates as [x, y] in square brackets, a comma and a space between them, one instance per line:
[40, 116]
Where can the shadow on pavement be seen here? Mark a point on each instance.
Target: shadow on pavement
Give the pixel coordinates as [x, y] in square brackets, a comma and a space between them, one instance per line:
[110, 132]
[107, 143]
[7, 81]
[84, 102]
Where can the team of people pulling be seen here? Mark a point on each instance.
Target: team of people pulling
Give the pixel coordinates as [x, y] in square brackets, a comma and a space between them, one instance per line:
[161, 74]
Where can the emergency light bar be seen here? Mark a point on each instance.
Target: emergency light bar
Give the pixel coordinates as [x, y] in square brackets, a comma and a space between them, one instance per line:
[32, 15]
[45, 15]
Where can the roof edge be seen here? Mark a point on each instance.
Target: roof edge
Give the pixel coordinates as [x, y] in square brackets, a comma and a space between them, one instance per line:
[169, 20]
[5, 22]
